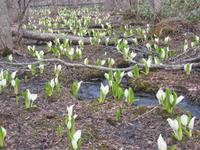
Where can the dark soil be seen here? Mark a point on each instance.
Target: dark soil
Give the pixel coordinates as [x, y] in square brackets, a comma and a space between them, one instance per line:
[37, 128]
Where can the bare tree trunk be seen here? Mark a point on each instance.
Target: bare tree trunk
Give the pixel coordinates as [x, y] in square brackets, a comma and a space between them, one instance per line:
[13, 10]
[124, 5]
[109, 5]
[23, 7]
[75, 3]
[156, 6]
[6, 41]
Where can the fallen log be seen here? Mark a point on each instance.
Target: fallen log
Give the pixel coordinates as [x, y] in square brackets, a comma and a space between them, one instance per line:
[33, 35]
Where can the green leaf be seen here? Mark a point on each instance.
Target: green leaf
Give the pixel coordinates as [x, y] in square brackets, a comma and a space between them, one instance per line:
[26, 100]
[98, 62]
[102, 97]
[6, 75]
[131, 97]
[118, 114]
[17, 86]
[118, 76]
[180, 130]
[174, 102]
[120, 93]
[167, 100]
[58, 87]
[60, 130]
[173, 148]
[136, 71]
[2, 136]
[75, 88]
[48, 89]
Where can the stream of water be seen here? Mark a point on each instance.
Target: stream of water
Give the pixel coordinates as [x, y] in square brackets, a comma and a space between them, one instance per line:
[90, 91]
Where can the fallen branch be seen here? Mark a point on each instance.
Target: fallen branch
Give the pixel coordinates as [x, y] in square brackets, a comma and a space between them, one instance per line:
[35, 5]
[167, 67]
[67, 64]
[192, 60]
[78, 65]
[146, 113]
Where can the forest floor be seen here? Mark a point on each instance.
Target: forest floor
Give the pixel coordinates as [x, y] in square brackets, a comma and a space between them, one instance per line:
[137, 129]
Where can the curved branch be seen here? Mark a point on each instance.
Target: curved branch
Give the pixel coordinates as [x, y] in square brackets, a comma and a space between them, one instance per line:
[78, 65]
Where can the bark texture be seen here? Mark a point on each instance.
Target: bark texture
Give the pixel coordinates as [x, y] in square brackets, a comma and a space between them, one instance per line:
[156, 6]
[13, 10]
[6, 41]
[109, 5]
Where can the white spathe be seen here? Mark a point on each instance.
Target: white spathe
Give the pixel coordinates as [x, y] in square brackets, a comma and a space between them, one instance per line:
[160, 95]
[13, 83]
[59, 67]
[71, 52]
[122, 74]
[184, 120]
[13, 75]
[70, 113]
[103, 62]
[149, 62]
[104, 89]
[188, 67]
[173, 124]
[10, 57]
[30, 67]
[106, 75]
[133, 55]
[191, 124]
[31, 97]
[171, 99]
[3, 82]
[130, 74]
[126, 93]
[56, 81]
[69, 124]
[52, 83]
[70, 110]
[162, 145]
[79, 85]
[75, 139]
[50, 44]
[179, 99]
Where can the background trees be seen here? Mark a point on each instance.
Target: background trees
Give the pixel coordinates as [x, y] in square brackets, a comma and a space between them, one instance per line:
[14, 12]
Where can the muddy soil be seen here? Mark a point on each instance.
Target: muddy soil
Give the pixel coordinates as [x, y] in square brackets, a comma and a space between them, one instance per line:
[37, 128]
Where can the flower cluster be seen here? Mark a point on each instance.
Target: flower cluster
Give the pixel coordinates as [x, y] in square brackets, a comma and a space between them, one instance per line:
[73, 136]
[168, 99]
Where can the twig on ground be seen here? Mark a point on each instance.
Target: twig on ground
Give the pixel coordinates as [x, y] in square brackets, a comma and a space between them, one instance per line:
[146, 113]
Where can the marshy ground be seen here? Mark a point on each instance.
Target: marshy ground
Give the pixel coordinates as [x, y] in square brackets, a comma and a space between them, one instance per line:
[138, 127]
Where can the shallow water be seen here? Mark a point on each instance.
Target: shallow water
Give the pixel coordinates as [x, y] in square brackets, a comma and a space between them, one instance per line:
[185, 104]
[90, 91]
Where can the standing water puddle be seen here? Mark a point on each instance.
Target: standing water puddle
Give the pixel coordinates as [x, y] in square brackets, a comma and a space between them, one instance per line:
[91, 91]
